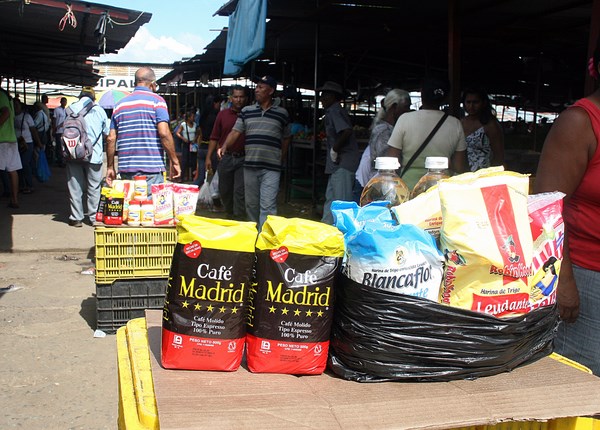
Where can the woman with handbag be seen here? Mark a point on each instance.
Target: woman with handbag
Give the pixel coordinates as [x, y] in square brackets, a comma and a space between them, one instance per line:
[26, 136]
[428, 132]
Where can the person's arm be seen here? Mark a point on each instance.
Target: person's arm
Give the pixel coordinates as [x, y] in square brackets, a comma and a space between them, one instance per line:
[166, 139]
[4, 114]
[212, 145]
[569, 146]
[111, 146]
[179, 134]
[36, 137]
[459, 162]
[342, 139]
[231, 138]
[198, 138]
[493, 131]
[394, 152]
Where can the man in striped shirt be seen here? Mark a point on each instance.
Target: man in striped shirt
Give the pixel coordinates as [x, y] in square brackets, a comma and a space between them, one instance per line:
[266, 126]
[139, 131]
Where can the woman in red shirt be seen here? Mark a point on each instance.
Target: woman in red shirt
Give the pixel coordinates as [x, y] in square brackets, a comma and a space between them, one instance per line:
[570, 162]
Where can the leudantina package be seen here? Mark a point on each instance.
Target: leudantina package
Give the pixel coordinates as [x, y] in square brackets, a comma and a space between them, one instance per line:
[487, 243]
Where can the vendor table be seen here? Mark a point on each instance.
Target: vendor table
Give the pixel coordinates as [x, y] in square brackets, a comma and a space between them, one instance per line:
[545, 390]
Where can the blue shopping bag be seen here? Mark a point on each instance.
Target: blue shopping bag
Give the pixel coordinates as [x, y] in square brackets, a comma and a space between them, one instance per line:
[42, 170]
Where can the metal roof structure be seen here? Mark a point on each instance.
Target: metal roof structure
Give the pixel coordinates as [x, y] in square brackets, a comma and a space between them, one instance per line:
[533, 51]
[51, 40]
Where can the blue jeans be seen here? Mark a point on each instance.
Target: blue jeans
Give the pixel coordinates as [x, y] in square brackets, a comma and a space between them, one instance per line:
[26, 173]
[339, 187]
[580, 341]
[261, 188]
[151, 178]
[84, 178]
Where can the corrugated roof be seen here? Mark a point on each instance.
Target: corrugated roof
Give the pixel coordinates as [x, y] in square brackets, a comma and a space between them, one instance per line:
[34, 47]
[508, 46]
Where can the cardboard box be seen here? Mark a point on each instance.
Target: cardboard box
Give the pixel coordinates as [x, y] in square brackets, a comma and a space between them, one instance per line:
[544, 390]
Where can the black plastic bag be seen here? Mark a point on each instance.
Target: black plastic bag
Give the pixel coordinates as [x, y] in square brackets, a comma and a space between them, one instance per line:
[381, 336]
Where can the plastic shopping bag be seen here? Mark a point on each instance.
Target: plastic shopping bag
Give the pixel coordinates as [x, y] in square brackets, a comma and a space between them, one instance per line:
[205, 199]
[378, 335]
[214, 186]
[42, 170]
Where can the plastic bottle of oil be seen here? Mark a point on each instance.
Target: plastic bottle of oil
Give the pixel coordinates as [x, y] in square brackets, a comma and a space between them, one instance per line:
[386, 184]
[437, 169]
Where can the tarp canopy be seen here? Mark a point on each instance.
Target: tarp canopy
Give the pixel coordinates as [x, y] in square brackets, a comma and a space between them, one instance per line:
[51, 41]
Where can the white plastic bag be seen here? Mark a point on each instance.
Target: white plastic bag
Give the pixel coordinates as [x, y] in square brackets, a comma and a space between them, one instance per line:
[205, 198]
[214, 186]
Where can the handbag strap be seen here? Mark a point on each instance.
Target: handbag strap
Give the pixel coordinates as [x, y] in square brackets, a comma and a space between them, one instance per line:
[424, 144]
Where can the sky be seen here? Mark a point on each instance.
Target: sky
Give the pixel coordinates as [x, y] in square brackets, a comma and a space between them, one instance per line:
[178, 29]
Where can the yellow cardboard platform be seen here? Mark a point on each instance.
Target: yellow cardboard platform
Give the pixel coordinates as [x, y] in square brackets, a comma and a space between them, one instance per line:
[547, 394]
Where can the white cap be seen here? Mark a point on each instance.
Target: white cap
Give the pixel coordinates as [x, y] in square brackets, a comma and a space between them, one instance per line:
[436, 163]
[387, 163]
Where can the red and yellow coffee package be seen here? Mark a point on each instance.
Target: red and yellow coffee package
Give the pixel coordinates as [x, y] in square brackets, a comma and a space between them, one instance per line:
[487, 242]
[113, 208]
[205, 308]
[291, 305]
[548, 231]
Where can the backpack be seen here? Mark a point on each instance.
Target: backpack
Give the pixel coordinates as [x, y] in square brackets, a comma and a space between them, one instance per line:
[76, 144]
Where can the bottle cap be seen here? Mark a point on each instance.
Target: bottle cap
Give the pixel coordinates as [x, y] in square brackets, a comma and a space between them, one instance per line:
[139, 178]
[436, 163]
[387, 163]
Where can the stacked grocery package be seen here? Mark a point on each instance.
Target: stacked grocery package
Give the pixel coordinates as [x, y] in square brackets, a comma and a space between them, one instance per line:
[128, 202]
[458, 282]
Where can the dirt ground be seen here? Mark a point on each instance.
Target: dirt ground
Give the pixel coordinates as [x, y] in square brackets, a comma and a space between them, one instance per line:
[54, 374]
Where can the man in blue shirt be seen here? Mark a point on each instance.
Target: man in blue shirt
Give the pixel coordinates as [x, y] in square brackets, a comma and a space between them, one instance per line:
[86, 177]
[139, 131]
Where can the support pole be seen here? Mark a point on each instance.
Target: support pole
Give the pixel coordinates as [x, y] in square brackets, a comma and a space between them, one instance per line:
[538, 85]
[454, 35]
[316, 145]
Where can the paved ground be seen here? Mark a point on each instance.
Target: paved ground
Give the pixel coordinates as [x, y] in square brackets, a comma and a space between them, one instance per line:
[54, 373]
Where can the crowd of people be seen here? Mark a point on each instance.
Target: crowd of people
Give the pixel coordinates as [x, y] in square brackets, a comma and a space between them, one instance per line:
[246, 144]
[25, 131]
